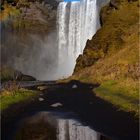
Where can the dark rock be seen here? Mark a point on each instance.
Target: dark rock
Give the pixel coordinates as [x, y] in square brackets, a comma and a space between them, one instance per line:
[27, 78]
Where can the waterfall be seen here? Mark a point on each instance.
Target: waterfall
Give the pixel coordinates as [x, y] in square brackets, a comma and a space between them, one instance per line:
[54, 55]
[69, 129]
[77, 22]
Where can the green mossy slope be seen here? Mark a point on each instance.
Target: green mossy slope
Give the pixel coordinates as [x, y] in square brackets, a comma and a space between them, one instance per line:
[111, 58]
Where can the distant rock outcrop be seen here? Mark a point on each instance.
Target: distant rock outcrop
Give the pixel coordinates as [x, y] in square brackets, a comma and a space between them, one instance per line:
[25, 29]
[8, 73]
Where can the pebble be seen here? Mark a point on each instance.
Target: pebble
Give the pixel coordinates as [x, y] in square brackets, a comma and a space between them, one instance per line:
[40, 99]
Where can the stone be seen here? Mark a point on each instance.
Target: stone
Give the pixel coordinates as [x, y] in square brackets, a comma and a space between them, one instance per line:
[56, 105]
[74, 86]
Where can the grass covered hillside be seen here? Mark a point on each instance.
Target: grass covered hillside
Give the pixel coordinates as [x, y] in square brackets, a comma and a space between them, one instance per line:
[111, 58]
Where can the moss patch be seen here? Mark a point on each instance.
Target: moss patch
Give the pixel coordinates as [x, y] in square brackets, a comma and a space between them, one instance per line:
[118, 28]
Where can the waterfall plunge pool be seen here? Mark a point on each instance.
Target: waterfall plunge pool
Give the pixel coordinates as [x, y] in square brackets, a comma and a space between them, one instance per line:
[55, 126]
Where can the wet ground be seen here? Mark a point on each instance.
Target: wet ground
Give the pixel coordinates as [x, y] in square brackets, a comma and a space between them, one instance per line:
[78, 98]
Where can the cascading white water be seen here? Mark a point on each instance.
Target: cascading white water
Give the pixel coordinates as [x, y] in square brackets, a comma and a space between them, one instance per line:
[77, 22]
[69, 129]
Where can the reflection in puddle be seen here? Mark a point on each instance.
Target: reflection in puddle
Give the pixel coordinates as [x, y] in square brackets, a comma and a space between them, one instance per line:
[55, 126]
[73, 130]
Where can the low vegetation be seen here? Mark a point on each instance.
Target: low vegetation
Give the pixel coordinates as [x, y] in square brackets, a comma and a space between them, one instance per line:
[15, 96]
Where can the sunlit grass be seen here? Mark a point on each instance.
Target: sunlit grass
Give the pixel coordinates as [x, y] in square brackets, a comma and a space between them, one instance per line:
[125, 97]
[8, 98]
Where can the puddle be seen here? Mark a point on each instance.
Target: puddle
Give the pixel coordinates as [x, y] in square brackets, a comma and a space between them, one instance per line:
[55, 126]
